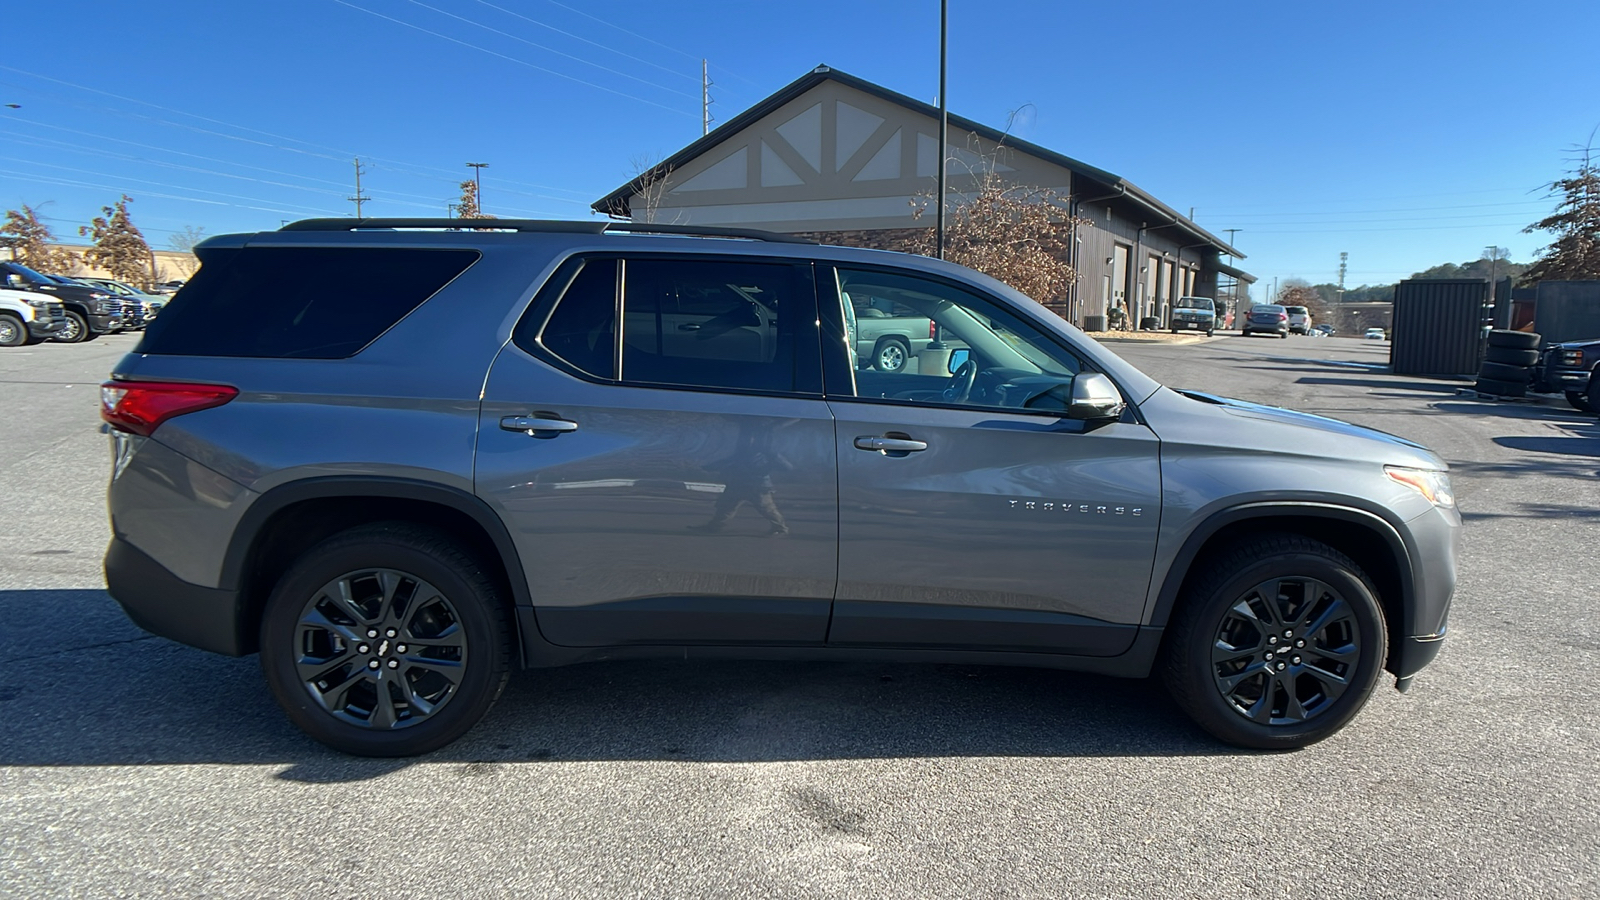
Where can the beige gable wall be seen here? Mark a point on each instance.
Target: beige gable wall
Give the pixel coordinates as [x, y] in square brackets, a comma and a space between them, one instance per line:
[834, 158]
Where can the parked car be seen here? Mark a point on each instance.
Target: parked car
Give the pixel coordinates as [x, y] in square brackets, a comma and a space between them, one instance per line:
[1376, 334]
[167, 287]
[1299, 319]
[1569, 368]
[1267, 318]
[1194, 314]
[138, 307]
[1324, 330]
[583, 477]
[28, 317]
[90, 312]
[888, 335]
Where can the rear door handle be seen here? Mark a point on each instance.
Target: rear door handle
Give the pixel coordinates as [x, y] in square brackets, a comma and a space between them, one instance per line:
[890, 444]
[537, 425]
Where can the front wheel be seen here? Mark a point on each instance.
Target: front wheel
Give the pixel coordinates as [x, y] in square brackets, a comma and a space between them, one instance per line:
[1579, 401]
[76, 330]
[13, 333]
[1277, 645]
[386, 640]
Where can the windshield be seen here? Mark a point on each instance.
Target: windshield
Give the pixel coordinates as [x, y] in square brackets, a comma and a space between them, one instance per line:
[1194, 303]
[1297, 310]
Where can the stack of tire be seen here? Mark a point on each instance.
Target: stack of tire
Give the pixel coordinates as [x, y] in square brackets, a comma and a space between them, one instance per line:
[1508, 363]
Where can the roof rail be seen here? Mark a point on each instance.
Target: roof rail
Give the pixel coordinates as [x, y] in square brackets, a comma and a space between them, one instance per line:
[541, 225]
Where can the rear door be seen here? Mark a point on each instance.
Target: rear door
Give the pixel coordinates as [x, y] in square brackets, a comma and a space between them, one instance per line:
[671, 481]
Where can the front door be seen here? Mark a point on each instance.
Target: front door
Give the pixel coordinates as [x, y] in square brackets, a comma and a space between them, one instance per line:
[972, 513]
[671, 481]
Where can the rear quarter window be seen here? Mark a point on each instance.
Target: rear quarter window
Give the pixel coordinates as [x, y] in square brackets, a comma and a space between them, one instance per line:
[299, 302]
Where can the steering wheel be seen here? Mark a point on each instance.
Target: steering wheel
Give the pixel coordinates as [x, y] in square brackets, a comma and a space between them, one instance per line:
[960, 386]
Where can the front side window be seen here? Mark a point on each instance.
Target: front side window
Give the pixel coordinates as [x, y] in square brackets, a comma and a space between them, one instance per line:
[965, 349]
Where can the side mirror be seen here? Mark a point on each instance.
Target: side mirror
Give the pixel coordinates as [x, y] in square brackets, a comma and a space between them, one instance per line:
[1094, 398]
[958, 358]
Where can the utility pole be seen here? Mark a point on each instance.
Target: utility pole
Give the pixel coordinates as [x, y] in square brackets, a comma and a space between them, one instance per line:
[705, 99]
[944, 118]
[477, 183]
[359, 198]
[1235, 291]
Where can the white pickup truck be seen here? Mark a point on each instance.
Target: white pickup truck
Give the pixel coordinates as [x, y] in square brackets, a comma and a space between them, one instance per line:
[27, 317]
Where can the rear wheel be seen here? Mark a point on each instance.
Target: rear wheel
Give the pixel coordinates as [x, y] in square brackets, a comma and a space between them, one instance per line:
[386, 640]
[891, 355]
[1277, 645]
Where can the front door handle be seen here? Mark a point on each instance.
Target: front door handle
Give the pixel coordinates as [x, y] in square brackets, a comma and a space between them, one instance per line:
[534, 426]
[890, 444]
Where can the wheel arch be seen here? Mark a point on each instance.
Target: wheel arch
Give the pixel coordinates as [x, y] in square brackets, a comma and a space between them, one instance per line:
[1369, 539]
[287, 520]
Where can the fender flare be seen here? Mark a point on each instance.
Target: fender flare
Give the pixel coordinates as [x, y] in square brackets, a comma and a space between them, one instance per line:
[243, 542]
[1167, 597]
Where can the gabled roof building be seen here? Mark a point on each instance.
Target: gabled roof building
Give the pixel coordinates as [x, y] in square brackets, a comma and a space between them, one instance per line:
[842, 160]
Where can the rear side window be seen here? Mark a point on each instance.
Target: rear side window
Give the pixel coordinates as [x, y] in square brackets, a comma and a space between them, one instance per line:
[299, 302]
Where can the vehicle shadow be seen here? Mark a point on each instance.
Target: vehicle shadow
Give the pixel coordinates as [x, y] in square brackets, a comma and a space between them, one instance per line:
[124, 698]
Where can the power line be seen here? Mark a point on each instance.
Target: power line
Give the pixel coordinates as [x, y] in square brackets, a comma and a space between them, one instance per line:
[580, 59]
[577, 37]
[646, 39]
[520, 62]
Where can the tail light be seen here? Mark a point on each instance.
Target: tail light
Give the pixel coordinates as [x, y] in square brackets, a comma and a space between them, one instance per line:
[139, 407]
[1283, 317]
[933, 330]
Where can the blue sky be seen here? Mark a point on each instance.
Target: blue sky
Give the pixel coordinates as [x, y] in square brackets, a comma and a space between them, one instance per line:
[1406, 133]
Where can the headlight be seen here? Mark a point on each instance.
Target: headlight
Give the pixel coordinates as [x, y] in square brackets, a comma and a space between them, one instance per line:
[96, 295]
[41, 303]
[1429, 483]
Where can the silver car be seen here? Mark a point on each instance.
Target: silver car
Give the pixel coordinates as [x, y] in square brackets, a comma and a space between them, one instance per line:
[455, 452]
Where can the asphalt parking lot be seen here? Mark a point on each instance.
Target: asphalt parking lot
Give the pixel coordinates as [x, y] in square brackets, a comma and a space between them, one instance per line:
[134, 767]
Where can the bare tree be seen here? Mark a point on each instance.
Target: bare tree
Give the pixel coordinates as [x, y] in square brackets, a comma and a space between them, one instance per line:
[119, 247]
[1019, 234]
[1574, 255]
[650, 185]
[184, 242]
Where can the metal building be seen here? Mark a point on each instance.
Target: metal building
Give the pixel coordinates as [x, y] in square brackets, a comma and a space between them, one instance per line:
[1439, 326]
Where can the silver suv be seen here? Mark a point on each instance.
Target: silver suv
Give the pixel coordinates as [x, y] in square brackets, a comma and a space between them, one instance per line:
[455, 451]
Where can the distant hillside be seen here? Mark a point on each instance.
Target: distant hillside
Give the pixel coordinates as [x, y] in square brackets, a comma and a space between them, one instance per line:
[1477, 268]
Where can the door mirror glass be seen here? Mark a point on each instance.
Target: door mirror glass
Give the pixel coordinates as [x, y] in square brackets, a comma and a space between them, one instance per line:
[1094, 397]
[958, 358]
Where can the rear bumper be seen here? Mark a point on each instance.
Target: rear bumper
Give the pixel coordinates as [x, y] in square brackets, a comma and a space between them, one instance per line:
[166, 605]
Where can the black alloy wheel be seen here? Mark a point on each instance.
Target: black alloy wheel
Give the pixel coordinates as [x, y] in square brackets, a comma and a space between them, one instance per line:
[386, 640]
[1278, 645]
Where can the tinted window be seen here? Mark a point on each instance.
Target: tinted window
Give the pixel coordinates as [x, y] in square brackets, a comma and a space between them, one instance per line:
[302, 302]
[582, 329]
[713, 323]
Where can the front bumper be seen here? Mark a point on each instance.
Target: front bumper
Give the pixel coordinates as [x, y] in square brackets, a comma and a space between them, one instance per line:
[166, 605]
[104, 323]
[44, 328]
[1434, 541]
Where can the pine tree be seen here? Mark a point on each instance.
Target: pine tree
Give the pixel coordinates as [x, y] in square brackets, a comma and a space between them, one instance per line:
[468, 207]
[1574, 255]
[30, 241]
[119, 247]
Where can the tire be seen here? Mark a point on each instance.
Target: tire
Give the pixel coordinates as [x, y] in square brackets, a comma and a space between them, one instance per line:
[13, 331]
[1511, 356]
[1211, 333]
[1284, 335]
[1333, 667]
[1500, 388]
[1514, 340]
[76, 332]
[1593, 394]
[891, 355]
[1506, 373]
[466, 636]
[1580, 401]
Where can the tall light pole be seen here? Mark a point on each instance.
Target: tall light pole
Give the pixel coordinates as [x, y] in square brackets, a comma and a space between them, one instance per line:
[944, 118]
[477, 182]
